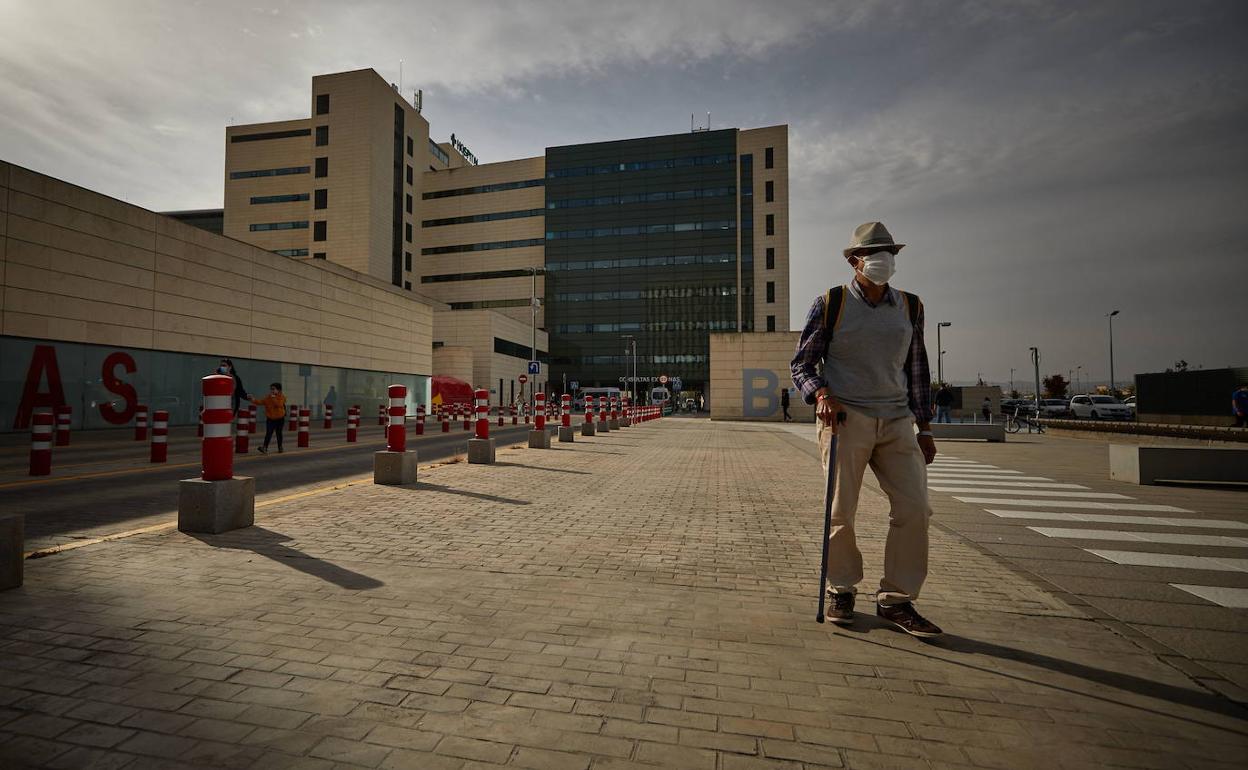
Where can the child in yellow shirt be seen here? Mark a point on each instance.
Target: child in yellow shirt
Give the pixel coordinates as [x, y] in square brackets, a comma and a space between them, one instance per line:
[274, 415]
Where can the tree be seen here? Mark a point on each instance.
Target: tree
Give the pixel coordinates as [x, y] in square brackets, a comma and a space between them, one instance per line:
[1180, 365]
[1055, 386]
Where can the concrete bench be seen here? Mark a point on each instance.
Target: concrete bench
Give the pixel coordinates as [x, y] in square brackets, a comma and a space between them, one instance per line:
[1137, 464]
[972, 430]
[12, 541]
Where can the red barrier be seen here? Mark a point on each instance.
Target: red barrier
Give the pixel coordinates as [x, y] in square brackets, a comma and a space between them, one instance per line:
[482, 399]
[565, 403]
[589, 410]
[446, 420]
[216, 452]
[353, 424]
[160, 436]
[514, 420]
[539, 418]
[329, 417]
[420, 419]
[64, 416]
[466, 411]
[499, 410]
[396, 433]
[305, 427]
[293, 424]
[527, 412]
[241, 434]
[41, 443]
[140, 423]
[600, 406]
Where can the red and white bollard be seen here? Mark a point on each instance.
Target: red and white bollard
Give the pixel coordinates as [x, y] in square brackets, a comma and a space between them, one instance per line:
[381, 414]
[466, 411]
[499, 410]
[539, 415]
[482, 399]
[305, 427]
[241, 434]
[140, 423]
[217, 451]
[200, 431]
[41, 443]
[446, 419]
[587, 426]
[527, 411]
[420, 419]
[514, 419]
[160, 436]
[329, 417]
[292, 424]
[64, 417]
[565, 404]
[353, 424]
[396, 433]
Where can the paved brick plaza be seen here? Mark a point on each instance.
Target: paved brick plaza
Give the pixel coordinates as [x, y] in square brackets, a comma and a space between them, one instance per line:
[641, 598]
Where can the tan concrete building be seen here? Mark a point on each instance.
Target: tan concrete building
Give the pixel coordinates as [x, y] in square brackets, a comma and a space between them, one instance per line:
[104, 305]
[748, 371]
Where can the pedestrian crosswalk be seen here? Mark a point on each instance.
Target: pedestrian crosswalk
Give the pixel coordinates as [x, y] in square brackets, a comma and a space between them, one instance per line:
[1073, 512]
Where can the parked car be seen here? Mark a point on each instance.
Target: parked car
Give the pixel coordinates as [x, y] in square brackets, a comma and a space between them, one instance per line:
[1025, 407]
[1099, 408]
[1054, 407]
[1130, 401]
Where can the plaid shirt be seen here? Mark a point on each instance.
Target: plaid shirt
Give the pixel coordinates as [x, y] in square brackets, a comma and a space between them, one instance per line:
[812, 349]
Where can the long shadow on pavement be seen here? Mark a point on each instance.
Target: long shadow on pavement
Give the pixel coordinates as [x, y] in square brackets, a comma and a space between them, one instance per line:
[453, 491]
[1210, 702]
[543, 468]
[271, 545]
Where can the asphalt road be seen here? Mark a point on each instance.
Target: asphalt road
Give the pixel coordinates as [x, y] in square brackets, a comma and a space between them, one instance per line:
[103, 484]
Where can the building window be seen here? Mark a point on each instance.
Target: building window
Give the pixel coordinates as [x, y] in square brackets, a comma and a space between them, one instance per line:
[291, 252]
[407, 284]
[322, 136]
[269, 135]
[409, 174]
[771, 224]
[407, 234]
[771, 259]
[270, 172]
[409, 203]
[771, 292]
[491, 217]
[407, 261]
[770, 194]
[319, 255]
[291, 197]
[769, 157]
[322, 167]
[771, 323]
[263, 226]
[322, 199]
[322, 104]
[318, 231]
[410, 146]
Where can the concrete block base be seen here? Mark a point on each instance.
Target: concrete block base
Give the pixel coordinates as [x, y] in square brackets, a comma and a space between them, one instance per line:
[993, 432]
[613, 424]
[625, 422]
[1136, 464]
[394, 468]
[12, 543]
[587, 429]
[539, 439]
[481, 450]
[604, 427]
[214, 507]
[567, 435]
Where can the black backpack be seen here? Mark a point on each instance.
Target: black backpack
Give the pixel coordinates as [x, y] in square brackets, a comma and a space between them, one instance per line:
[836, 298]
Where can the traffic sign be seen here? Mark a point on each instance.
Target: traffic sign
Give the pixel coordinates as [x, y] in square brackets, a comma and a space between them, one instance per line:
[575, 385]
[662, 379]
[523, 378]
[535, 367]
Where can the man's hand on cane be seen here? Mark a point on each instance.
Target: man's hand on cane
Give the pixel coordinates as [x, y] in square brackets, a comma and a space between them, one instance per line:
[827, 407]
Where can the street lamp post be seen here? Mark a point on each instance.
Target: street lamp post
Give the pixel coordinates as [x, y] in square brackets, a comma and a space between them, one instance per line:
[534, 304]
[632, 342]
[1011, 382]
[1078, 379]
[1112, 390]
[940, 353]
[1035, 360]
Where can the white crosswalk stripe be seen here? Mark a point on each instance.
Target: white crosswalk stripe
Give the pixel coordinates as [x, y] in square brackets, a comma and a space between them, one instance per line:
[1172, 538]
[1120, 519]
[960, 475]
[1038, 493]
[1073, 504]
[1145, 559]
[1012, 484]
[1227, 597]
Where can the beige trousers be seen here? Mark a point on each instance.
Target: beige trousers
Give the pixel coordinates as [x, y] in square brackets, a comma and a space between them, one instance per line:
[892, 451]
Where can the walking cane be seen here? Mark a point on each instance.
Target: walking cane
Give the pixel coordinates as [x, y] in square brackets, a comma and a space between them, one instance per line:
[827, 519]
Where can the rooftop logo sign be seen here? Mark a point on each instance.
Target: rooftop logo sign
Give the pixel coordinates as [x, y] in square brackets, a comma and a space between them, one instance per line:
[463, 150]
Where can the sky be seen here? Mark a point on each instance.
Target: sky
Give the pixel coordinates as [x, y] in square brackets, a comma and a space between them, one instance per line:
[1046, 163]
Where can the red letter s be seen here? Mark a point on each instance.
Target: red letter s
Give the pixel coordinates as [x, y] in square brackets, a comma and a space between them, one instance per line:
[121, 388]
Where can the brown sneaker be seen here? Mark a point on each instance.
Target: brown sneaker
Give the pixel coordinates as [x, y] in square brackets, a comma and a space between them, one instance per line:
[841, 610]
[905, 617]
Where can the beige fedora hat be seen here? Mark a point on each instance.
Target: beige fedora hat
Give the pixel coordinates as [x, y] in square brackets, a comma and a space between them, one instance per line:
[872, 234]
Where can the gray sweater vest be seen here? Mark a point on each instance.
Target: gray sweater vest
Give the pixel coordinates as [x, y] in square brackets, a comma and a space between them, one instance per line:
[865, 366]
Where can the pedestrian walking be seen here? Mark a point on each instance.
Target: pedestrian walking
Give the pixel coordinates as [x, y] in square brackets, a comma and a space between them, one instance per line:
[331, 400]
[986, 409]
[784, 404]
[944, 401]
[274, 415]
[861, 353]
[1239, 405]
[240, 395]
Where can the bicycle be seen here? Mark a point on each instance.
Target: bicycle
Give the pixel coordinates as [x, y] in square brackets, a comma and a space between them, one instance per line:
[1015, 422]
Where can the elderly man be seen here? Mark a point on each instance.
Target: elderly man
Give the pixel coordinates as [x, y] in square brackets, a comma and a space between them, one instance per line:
[861, 353]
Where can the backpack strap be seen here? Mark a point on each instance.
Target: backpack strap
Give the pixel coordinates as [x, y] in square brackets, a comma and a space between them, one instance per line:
[835, 298]
[913, 306]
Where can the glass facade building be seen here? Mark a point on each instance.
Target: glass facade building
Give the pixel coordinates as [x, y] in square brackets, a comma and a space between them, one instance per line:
[643, 239]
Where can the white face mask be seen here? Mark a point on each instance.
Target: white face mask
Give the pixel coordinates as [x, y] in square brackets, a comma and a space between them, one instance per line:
[879, 267]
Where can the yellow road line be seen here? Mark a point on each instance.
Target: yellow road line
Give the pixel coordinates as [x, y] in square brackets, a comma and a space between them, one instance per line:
[40, 553]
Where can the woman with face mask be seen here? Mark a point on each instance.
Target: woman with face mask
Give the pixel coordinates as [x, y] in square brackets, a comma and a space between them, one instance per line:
[226, 367]
[862, 361]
